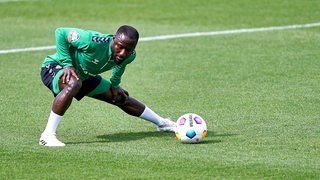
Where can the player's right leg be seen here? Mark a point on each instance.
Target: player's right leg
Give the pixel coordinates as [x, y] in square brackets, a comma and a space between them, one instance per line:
[50, 76]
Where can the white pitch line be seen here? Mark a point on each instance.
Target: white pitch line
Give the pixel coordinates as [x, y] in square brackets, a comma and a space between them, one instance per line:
[174, 36]
[27, 49]
[9, 1]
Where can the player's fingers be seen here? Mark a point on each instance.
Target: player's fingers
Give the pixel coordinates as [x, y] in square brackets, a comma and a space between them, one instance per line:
[63, 78]
[74, 74]
[67, 77]
[114, 95]
[124, 95]
[125, 92]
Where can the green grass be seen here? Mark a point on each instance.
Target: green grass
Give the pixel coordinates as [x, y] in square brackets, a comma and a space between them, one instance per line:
[258, 92]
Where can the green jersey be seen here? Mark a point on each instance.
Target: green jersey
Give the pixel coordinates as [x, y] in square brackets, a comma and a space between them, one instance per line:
[87, 51]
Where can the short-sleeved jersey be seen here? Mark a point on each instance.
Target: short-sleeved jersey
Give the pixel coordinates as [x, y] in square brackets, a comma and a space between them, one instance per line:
[89, 52]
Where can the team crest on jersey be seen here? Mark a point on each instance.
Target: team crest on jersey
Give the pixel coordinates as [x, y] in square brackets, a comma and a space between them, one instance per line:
[73, 36]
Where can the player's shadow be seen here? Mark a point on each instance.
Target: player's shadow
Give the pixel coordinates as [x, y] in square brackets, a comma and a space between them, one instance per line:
[126, 136]
[134, 136]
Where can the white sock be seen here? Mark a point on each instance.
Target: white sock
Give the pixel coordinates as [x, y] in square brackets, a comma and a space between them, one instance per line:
[53, 122]
[151, 116]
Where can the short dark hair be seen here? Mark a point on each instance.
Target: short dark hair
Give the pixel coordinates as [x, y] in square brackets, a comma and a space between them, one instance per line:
[129, 32]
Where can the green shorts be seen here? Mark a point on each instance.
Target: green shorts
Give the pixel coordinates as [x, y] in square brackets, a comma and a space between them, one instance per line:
[51, 73]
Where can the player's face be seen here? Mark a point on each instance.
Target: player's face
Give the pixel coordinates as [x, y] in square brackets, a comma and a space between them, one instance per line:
[121, 48]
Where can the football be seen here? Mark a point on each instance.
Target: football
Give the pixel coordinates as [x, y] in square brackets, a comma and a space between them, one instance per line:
[191, 128]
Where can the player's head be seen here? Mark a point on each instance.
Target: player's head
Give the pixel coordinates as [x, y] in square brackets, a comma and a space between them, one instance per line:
[124, 42]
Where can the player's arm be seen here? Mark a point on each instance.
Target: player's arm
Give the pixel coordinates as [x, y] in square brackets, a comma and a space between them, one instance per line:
[65, 38]
[116, 76]
[62, 47]
[118, 71]
[120, 95]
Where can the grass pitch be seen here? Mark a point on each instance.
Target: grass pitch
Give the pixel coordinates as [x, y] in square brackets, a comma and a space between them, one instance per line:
[259, 92]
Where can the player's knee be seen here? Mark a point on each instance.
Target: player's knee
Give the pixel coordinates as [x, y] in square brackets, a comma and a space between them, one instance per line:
[120, 100]
[73, 86]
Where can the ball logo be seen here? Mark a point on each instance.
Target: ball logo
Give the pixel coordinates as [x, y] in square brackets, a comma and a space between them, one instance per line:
[190, 120]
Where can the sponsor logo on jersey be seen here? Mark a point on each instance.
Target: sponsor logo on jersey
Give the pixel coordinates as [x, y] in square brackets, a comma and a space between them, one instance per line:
[73, 36]
[95, 61]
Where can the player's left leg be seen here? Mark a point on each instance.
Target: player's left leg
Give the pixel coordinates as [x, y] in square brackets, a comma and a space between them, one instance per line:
[131, 106]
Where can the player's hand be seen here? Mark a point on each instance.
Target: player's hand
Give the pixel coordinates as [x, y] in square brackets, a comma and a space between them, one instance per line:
[119, 95]
[67, 73]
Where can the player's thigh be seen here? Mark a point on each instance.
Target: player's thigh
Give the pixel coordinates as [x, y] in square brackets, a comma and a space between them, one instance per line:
[102, 91]
[50, 75]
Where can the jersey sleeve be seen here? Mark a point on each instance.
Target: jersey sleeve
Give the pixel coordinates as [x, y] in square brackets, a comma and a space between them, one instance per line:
[69, 37]
[118, 71]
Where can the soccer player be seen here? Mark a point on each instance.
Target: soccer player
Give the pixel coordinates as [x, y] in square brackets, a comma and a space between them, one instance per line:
[73, 72]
